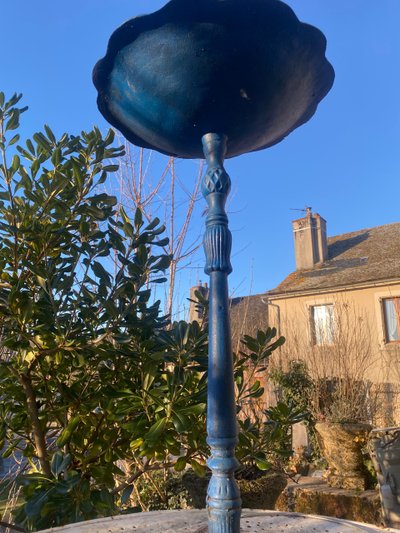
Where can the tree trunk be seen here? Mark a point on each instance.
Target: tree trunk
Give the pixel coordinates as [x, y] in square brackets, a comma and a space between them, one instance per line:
[38, 433]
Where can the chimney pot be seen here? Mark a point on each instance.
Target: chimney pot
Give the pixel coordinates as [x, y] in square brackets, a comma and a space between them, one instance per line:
[310, 240]
[195, 310]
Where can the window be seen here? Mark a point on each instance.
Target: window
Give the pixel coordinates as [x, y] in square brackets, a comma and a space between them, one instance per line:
[391, 316]
[322, 329]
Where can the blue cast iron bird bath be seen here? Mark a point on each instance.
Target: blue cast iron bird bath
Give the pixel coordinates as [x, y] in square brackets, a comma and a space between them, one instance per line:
[214, 79]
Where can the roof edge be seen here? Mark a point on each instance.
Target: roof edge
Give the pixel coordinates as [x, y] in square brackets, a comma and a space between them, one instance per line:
[340, 288]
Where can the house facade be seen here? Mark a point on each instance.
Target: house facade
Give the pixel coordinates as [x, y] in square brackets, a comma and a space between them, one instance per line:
[340, 309]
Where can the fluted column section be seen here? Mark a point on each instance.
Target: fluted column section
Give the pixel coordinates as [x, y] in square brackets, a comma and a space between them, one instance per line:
[223, 497]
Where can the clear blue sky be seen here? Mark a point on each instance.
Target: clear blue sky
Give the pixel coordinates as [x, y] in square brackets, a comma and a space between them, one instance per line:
[345, 162]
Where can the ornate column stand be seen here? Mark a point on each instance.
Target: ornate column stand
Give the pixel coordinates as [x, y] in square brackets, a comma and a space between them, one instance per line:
[252, 74]
[223, 498]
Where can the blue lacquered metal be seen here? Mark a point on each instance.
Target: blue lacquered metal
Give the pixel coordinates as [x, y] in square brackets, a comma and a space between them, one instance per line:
[237, 76]
[223, 498]
[248, 68]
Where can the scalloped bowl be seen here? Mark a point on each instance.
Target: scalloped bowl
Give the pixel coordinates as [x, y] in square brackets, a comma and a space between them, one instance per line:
[246, 68]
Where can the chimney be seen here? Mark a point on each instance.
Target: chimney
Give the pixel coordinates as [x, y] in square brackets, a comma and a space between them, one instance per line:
[310, 241]
[196, 311]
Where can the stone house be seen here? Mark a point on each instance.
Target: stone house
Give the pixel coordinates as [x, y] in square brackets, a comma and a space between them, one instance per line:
[340, 308]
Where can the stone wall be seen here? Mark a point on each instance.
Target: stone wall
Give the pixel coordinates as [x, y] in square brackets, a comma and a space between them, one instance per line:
[314, 496]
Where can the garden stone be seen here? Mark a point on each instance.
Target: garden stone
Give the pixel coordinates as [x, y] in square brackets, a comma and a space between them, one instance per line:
[341, 446]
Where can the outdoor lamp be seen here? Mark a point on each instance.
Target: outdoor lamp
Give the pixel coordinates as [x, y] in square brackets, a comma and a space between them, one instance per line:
[214, 79]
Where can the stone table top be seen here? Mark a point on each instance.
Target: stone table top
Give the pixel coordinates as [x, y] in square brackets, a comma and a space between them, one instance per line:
[195, 521]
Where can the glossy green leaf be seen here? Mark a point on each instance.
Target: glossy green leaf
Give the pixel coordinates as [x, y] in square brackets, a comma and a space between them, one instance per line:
[126, 494]
[262, 463]
[67, 432]
[14, 140]
[198, 468]
[13, 122]
[59, 463]
[156, 430]
[180, 464]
